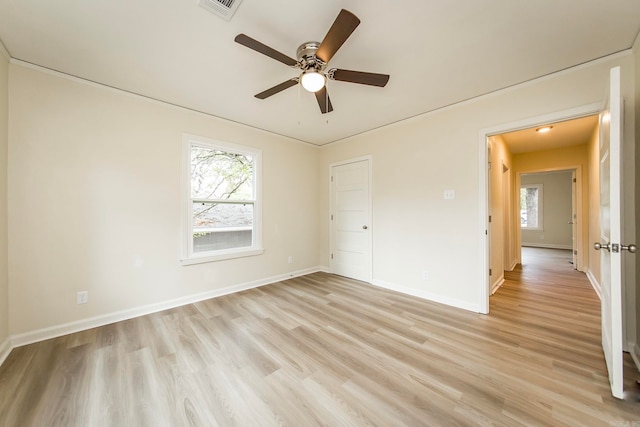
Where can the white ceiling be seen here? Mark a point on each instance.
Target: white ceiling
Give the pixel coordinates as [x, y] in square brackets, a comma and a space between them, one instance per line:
[437, 52]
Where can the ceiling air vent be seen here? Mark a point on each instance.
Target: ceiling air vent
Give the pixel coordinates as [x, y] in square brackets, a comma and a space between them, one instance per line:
[223, 8]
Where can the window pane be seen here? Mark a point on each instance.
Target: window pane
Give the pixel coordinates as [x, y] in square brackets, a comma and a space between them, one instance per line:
[222, 226]
[221, 175]
[529, 207]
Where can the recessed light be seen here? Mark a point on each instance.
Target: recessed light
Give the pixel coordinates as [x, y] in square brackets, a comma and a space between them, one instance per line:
[544, 129]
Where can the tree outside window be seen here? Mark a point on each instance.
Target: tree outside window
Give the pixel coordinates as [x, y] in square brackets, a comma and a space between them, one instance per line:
[531, 206]
[223, 206]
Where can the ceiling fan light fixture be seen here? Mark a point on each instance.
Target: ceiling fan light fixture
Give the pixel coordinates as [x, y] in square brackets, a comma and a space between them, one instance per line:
[312, 80]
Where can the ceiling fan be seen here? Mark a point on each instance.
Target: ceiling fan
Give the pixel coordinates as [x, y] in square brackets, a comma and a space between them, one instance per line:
[313, 58]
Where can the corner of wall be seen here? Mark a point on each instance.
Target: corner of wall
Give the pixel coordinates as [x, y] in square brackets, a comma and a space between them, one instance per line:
[594, 283]
[5, 349]
[5, 346]
[636, 55]
[4, 52]
[635, 355]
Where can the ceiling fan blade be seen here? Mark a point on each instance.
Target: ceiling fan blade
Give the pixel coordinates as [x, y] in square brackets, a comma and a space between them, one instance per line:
[247, 41]
[339, 32]
[371, 79]
[323, 101]
[277, 88]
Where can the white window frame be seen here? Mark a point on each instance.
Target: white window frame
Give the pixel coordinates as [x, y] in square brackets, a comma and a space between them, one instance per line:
[188, 256]
[540, 226]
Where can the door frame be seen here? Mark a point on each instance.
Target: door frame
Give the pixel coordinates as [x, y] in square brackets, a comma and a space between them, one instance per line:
[577, 170]
[368, 158]
[483, 180]
[507, 210]
[574, 219]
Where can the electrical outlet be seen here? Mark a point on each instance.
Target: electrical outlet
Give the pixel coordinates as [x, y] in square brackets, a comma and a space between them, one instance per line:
[449, 194]
[82, 297]
[425, 275]
[290, 260]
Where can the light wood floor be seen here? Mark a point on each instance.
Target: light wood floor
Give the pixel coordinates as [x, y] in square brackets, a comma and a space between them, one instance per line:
[324, 350]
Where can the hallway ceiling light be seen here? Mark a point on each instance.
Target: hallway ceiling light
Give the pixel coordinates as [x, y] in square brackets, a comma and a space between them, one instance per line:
[544, 129]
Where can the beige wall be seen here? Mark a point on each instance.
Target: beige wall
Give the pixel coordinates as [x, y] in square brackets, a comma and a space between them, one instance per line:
[414, 161]
[4, 284]
[95, 202]
[501, 254]
[556, 211]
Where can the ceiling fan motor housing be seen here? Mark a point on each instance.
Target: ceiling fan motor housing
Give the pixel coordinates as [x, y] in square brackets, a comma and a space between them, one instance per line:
[306, 55]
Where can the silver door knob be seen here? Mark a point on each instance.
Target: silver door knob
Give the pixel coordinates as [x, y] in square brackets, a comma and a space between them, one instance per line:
[364, 227]
[630, 248]
[597, 246]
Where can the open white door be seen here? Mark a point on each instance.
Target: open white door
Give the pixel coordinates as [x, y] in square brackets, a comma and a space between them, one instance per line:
[610, 233]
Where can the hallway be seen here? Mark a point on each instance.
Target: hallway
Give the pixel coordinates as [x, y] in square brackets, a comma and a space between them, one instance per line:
[559, 312]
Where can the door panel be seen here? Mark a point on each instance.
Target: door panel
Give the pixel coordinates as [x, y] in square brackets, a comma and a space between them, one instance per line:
[610, 233]
[350, 200]
[351, 220]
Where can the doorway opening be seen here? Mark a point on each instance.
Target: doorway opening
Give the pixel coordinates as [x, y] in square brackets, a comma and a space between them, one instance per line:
[514, 151]
[548, 216]
[603, 224]
[547, 205]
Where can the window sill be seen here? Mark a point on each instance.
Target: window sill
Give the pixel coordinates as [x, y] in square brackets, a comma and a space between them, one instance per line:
[222, 256]
[532, 228]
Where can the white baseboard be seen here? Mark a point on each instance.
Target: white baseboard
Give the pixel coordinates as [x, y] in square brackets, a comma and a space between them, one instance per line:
[546, 246]
[465, 305]
[594, 283]
[497, 284]
[513, 265]
[5, 349]
[105, 319]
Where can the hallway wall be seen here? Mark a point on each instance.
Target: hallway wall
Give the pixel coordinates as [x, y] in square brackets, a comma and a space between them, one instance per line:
[501, 255]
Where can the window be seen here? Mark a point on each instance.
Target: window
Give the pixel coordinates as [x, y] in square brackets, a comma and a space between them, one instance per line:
[221, 201]
[531, 206]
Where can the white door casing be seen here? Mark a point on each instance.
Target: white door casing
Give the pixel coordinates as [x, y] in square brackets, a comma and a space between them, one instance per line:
[610, 233]
[484, 285]
[350, 219]
[574, 221]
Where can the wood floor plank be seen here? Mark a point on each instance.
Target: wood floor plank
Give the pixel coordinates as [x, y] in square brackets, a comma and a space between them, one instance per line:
[327, 350]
